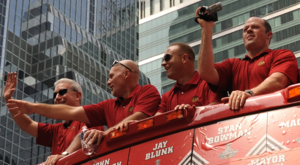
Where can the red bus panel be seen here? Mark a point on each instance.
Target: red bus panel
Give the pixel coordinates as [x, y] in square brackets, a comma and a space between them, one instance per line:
[172, 149]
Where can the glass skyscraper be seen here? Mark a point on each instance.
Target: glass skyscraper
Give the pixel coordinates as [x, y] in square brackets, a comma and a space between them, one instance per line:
[176, 24]
[45, 40]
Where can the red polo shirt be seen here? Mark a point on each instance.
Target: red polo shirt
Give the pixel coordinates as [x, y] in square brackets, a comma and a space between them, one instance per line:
[247, 73]
[195, 92]
[58, 136]
[110, 112]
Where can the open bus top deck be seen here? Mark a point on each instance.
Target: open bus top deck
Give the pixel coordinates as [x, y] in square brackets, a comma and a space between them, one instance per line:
[265, 131]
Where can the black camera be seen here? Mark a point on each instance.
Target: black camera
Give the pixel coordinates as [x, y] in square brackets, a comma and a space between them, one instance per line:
[209, 13]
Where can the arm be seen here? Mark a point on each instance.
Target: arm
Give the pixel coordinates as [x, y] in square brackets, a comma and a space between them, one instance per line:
[273, 83]
[96, 136]
[58, 111]
[158, 113]
[75, 145]
[283, 72]
[206, 57]
[123, 125]
[23, 121]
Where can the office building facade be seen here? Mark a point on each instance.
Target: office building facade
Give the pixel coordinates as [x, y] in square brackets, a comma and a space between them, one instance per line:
[177, 24]
[151, 7]
[45, 40]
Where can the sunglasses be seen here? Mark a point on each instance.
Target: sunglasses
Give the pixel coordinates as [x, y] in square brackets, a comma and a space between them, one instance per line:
[167, 57]
[62, 92]
[117, 62]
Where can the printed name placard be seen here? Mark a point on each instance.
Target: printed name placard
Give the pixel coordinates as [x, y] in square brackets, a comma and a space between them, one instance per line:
[219, 143]
[282, 157]
[284, 127]
[171, 149]
[116, 158]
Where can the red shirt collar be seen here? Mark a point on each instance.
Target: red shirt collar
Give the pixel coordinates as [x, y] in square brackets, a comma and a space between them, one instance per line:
[135, 90]
[258, 55]
[193, 81]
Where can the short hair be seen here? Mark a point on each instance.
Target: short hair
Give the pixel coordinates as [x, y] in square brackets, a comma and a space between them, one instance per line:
[185, 48]
[267, 26]
[73, 84]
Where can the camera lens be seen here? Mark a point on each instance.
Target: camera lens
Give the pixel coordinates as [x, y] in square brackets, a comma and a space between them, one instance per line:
[202, 10]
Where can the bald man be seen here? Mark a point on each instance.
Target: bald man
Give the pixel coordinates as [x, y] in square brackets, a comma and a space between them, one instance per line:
[132, 102]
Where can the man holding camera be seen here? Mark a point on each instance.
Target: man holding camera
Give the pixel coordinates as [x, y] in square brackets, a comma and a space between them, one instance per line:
[261, 71]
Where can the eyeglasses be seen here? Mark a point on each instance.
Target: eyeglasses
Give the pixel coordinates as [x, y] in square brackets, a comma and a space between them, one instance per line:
[62, 92]
[167, 57]
[117, 62]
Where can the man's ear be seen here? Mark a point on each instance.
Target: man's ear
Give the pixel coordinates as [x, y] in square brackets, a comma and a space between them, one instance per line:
[78, 95]
[185, 57]
[270, 34]
[126, 74]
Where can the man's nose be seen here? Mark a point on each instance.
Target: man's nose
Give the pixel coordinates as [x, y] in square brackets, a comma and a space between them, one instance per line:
[249, 30]
[56, 98]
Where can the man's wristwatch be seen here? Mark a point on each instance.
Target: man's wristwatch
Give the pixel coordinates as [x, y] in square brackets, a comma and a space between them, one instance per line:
[250, 92]
[65, 153]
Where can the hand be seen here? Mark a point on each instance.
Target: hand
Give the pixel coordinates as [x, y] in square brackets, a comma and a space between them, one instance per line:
[92, 136]
[124, 125]
[184, 106]
[10, 86]
[236, 100]
[24, 107]
[203, 23]
[51, 160]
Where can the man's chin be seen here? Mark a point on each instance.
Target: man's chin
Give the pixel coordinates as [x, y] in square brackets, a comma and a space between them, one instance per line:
[171, 76]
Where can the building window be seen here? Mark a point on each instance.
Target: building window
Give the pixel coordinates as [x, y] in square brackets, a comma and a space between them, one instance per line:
[172, 3]
[151, 7]
[162, 5]
[142, 9]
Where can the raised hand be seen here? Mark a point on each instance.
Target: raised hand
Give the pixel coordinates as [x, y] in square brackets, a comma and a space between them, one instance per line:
[10, 86]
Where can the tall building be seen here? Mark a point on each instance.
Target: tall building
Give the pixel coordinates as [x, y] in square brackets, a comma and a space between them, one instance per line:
[177, 24]
[45, 40]
[150, 7]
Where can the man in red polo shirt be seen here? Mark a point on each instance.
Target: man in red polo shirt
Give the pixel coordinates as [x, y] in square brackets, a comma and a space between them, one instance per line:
[261, 71]
[58, 136]
[179, 63]
[189, 89]
[133, 102]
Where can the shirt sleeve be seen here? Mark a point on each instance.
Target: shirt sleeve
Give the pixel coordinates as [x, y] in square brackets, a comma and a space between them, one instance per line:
[224, 70]
[96, 113]
[163, 104]
[148, 101]
[46, 133]
[285, 62]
